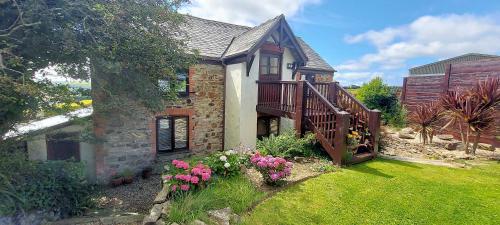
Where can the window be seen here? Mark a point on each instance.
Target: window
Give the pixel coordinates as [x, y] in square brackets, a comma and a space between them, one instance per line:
[172, 133]
[63, 146]
[182, 85]
[269, 64]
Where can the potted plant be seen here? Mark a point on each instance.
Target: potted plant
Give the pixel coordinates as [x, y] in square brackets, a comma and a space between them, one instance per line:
[128, 176]
[146, 172]
[116, 180]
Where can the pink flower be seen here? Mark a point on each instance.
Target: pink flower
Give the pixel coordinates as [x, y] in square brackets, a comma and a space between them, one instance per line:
[205, 176]
[195, 180]
[261, 164]
[196, 171]
[167, 177]
[174, 187]
[184, 187]
[274, 176]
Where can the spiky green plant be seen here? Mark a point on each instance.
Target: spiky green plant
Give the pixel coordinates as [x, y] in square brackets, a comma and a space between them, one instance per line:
[476, 108]
[425, 118]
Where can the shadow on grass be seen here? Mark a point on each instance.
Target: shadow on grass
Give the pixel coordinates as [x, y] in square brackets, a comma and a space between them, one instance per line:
[399, 163]
[365, 168]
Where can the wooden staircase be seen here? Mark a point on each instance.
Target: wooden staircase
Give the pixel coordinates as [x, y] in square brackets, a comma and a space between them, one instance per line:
[327, 110]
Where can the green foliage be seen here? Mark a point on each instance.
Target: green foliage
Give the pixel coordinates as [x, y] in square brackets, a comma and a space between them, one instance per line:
[52, 185]
[401, 193]
[124, 46]
[377, 95]
[287, 145]
[224, 163]
[236, 192]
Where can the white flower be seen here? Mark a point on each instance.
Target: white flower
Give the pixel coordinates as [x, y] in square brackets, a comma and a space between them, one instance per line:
[227, 165]
[229, 152]
[223, 158]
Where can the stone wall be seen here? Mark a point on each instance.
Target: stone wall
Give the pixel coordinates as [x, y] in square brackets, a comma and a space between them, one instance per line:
[204, 106]
[123, 141]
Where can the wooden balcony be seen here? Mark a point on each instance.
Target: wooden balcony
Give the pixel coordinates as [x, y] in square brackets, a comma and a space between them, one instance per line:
[325, 108]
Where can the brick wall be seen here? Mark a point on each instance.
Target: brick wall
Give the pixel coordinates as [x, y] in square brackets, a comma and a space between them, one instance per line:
[204, 106]
[462, 76]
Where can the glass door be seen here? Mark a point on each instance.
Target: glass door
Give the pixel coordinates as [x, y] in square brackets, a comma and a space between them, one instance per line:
[172, 134]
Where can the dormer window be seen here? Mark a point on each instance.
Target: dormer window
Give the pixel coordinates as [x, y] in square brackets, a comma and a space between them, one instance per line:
[269, 66]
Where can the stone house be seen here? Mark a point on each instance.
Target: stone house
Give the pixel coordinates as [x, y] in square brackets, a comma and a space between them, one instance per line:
[249, 82]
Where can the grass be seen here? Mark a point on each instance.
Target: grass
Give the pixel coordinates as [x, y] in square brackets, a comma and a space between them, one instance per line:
[388, 192]
[235, 192]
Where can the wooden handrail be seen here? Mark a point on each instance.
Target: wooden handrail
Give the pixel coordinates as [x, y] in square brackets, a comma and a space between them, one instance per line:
[345, 92]
[275, 82]
[328, 103]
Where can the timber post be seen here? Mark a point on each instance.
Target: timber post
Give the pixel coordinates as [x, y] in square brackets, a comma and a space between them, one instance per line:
[341, 131]
[374, 127]
[299, 106]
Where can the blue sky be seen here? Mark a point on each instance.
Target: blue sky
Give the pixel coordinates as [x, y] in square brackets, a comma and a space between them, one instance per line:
[363, 39]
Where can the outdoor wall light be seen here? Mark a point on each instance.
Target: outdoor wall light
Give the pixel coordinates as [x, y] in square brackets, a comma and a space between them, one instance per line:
[289, 65]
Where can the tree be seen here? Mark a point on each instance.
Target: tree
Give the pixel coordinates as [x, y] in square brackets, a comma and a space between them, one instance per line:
[476, 108]
[125, 47]
[377, 95]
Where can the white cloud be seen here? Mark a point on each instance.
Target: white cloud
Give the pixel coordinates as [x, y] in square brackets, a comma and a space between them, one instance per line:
[428, 36]
[245, 12]
[356, 77]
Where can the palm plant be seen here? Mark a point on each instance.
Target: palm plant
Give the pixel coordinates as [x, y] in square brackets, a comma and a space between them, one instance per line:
[426, 119]
[476, 108]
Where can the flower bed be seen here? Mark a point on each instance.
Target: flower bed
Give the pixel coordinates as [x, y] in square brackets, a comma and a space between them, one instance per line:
[273, 169]
[183, 177]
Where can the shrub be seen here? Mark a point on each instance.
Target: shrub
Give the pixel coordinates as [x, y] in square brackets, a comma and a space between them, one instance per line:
[58, 186]
[273, 169]
[225, 163]
[476, 108]
[287, 145]
[426, 119]
[377, 95]
[182, 177]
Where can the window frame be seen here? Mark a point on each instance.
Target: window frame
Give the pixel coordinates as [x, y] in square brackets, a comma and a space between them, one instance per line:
[267, 56]
[181, 93]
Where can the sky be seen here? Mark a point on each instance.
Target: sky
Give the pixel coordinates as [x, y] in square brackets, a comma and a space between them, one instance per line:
[365, 39]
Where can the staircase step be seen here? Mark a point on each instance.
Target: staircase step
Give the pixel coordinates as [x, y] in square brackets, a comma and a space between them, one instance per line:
[359, 158]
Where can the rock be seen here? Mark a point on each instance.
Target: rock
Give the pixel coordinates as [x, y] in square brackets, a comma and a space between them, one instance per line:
[406, 135]
[486, 147]
[221, 216]
[198, 222]
[299, 159]
[452, 146]
[160, 222]
[407, 130]
[156, 212]
[166, 208]
[235, 219]
[149, 220]
[161, 197]
[446, 137]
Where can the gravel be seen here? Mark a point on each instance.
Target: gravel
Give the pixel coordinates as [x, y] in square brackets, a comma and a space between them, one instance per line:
[132, 198]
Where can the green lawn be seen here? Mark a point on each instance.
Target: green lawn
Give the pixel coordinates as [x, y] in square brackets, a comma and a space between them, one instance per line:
[388, 192]
[235, 192]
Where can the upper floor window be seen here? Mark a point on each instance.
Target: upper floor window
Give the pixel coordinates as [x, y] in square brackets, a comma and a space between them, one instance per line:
[269, 64]
[182, 84]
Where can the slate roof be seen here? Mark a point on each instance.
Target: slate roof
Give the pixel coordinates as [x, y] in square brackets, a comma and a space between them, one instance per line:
[211, 38]
[216, 40]
[439, 66]
[247, 40]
